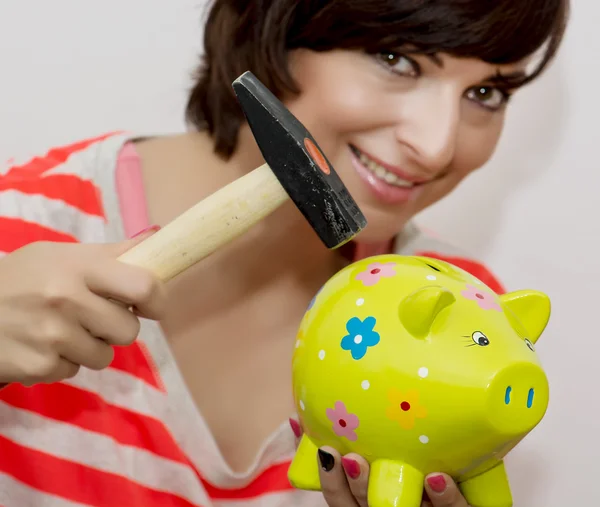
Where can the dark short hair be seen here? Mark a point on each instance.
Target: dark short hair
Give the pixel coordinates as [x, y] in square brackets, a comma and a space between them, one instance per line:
[256, 35]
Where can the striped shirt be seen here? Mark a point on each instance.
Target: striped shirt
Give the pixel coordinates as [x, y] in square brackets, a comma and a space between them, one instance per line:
[130, 435]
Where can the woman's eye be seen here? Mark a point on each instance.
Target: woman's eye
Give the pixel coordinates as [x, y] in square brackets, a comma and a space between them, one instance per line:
[399, 64]
[488, 96]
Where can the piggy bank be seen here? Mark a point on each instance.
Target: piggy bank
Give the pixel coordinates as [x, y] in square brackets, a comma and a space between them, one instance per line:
[419, 367]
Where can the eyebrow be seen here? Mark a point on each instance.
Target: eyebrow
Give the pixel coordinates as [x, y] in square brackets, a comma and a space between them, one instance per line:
[511, 79]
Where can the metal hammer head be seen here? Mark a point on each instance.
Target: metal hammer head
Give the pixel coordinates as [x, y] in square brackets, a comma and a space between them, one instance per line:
[299, 164]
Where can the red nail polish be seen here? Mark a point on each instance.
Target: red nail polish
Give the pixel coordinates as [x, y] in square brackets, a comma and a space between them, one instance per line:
[351, 467]
[296, 427]
[153, 228]
[437, 483]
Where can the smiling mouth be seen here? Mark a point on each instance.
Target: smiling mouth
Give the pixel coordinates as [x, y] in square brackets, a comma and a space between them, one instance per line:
[381, 172]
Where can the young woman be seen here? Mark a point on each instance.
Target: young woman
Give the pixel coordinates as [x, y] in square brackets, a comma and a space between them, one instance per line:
[405, 97]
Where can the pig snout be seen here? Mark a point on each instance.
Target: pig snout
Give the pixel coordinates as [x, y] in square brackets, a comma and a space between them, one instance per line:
[517, 399]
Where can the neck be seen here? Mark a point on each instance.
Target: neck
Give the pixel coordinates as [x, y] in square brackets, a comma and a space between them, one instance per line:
[264, 278]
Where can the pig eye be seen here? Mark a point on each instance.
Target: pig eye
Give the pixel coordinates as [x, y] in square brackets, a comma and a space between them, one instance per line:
[480, 339]
[530, 345]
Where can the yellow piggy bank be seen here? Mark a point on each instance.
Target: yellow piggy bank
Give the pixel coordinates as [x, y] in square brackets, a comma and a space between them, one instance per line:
[418, 367]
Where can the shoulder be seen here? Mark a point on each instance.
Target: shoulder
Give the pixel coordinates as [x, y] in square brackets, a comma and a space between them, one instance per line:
[58, 196]
[417, 241]
[77, 158]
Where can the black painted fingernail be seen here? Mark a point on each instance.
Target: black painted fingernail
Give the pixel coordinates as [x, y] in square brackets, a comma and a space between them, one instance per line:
[327, 460]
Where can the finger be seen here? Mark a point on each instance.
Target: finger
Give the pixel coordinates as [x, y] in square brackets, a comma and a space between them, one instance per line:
[118, 249]
[108, 321]
[129, 285]
[121, 247]
[64, 369]
[334, 485]
[356, 469]
[443, 492]
[81, 348]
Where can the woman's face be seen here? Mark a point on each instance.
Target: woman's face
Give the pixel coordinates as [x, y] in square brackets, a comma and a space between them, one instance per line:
[401, 131]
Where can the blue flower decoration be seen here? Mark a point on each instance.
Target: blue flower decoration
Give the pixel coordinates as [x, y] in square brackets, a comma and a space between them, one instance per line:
[360, 336]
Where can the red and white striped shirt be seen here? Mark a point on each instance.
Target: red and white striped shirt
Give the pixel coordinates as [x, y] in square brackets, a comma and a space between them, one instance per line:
[130, 435]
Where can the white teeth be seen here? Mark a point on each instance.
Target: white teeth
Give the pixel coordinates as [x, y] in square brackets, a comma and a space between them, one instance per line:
[389, 177]
[381, 173]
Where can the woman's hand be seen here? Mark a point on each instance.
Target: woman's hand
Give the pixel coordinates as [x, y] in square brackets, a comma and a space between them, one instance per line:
[344, 481]
[55, 308]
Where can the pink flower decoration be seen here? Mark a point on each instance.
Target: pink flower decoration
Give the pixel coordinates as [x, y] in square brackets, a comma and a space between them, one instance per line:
[485, 300]
[344, 423]
[375, 271]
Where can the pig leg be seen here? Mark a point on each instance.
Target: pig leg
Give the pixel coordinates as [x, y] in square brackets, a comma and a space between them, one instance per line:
[304, 470]
[489, 489]
[394, 484]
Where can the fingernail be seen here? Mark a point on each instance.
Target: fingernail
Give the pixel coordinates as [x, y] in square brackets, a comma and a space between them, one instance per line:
[153, 228]
[327, 460]
[351, 467]
[296, 427]
[437, 483]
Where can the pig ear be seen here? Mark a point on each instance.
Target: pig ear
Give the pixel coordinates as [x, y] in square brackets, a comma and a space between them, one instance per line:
[419, 310]
[531, 308]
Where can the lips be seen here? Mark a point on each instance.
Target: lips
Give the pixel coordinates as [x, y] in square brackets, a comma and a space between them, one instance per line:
[388, 183]
[390, 174]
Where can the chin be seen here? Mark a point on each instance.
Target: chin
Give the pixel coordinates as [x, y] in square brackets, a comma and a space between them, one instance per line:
[372, 236]
[384, 220]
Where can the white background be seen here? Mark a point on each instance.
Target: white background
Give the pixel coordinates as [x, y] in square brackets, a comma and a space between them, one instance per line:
[71, 69]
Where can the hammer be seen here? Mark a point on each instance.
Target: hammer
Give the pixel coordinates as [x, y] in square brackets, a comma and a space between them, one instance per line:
[295, 168]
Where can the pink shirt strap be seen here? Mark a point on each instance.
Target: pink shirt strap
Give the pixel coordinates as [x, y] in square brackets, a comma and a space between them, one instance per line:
[130, 190]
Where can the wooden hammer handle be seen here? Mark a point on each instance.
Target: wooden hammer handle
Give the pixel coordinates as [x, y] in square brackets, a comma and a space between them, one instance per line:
[206, 226]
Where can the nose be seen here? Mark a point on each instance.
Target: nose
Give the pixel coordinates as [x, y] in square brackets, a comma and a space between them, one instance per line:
[517, 399]
[430, 128]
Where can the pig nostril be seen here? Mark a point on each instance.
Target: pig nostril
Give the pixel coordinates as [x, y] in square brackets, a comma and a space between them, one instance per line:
[530, 398]
[507, 395]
